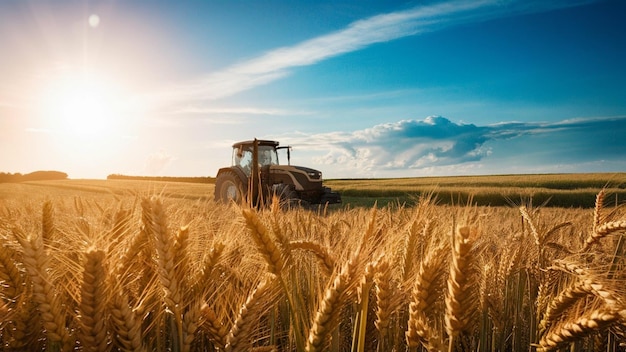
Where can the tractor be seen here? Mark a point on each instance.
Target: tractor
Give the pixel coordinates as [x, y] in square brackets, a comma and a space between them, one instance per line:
[255, 176]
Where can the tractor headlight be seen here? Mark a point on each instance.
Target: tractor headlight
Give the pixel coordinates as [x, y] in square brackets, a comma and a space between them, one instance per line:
[313, 174]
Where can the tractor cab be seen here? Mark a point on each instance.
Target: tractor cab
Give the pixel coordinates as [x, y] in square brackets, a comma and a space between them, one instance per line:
[243, 154]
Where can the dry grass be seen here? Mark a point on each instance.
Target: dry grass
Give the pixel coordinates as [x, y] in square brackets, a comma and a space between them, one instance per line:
[149, 272]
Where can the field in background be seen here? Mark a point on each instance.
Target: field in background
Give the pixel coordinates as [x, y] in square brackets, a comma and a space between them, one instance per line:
[558, 190]
[144, 266]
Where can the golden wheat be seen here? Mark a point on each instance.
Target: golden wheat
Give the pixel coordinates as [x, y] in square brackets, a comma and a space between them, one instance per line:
[143, 273]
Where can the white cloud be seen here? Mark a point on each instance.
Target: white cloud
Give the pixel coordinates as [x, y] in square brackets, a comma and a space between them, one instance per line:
[438, 143]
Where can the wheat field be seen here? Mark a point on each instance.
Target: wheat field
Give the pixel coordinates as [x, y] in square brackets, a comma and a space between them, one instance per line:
[152, 272]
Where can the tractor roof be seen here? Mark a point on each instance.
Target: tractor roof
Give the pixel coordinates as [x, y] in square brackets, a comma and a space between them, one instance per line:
[262, 142]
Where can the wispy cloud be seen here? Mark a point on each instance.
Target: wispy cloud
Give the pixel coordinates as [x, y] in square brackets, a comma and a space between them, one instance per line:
[277, 63]
[202, 110]
[438, 142]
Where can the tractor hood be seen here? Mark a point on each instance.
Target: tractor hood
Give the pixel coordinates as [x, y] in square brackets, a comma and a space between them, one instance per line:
[311, 173]
[302, 178]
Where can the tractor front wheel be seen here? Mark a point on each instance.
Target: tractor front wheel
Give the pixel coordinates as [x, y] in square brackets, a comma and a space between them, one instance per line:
[228, 187]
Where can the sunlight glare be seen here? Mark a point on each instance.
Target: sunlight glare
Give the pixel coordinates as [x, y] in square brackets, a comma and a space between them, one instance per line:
[84, 108]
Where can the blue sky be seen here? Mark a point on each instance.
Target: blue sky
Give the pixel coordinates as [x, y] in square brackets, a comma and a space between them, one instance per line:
[357, 88]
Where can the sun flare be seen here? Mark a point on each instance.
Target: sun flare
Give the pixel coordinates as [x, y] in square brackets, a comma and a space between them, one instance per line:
[82, 106]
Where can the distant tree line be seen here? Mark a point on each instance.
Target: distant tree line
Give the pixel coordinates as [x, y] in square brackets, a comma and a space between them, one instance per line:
[162, 178]
[33, 176]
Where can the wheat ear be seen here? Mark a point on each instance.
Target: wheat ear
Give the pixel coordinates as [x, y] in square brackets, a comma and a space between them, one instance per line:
[524, 211]
[10, 276]
[382, 282]
[321, 252]
[411, 244]
[47, 223]
[604, 230]
[580, 289]
[422, 298]
[166, 258]
[456, 316]
[277, 230]
[93, 332]
[126, 324]
[577, 328]
[47, 300]
[265, 244]
[120, 227]
[385, 302]
[239, 337]
[191, 322]
[597, 211]
[203, 277]
[128, 259]
[181, 257]
[327, 315]
[218, 333]
[155, 219]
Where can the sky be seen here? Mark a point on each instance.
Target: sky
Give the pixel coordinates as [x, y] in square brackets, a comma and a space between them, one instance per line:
[358, 89]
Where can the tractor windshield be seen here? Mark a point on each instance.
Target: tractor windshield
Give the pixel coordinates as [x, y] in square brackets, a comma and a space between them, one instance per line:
[242, 157]
[267, 155]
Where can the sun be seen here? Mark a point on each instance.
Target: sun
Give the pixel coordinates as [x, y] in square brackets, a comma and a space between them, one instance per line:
[81, 106]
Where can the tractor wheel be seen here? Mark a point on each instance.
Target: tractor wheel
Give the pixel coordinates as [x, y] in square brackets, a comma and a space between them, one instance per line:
[289, 198]
[228, 187]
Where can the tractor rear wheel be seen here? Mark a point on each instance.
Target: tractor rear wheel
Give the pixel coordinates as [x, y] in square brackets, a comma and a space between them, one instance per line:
[228, 187]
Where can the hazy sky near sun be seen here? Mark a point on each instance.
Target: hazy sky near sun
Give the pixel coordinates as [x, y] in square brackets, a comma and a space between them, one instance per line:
[357, 88]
